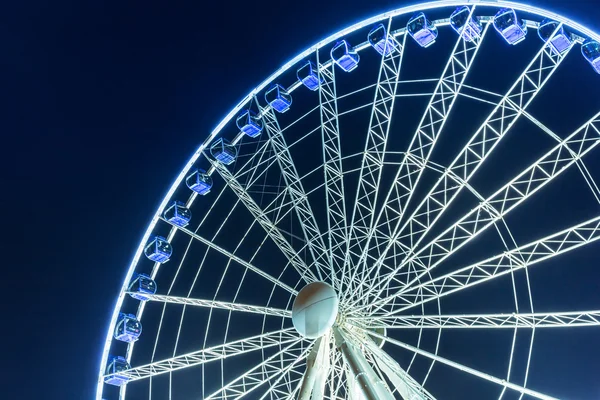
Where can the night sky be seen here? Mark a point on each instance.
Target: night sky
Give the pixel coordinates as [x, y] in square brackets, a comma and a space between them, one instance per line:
[102, 104]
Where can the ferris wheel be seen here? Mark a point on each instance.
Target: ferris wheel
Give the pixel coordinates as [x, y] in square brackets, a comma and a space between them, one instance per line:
[418, 223]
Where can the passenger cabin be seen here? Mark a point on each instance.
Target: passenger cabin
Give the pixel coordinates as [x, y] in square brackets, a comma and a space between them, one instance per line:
[466, 25]
[422, 30]
[559, 41]
[141, 286]
[158, 250]
[344, 56]
[278, 98]
[512, 29]
[381, 41]
[128, 328]
[308, 75]
[199, 181]
[178, 214]
[591, 51]
[249, 123]
[223, 151]
[114, 371]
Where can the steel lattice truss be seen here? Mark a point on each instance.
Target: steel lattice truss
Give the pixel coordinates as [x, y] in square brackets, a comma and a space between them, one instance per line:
[426, 224]
[256, 343]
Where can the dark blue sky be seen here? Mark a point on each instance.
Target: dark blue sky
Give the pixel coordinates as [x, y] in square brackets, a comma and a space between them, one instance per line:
[102, 104]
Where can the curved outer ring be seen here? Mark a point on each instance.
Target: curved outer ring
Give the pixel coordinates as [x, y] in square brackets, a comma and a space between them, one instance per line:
[370, 21]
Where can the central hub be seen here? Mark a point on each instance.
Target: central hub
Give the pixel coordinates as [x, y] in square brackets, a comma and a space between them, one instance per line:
[315, 310]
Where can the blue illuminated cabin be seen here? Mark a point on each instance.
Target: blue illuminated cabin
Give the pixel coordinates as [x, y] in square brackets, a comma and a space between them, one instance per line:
[114, 371]
[512, 29]
[344, 56]
[249, 123]
[178, 214]
[560, 42]
[199, 181]
[467, 25]
[422, 30]
[158, 249]
[278, 98]
[591, 51]
[128, 328]
[381, 41]
[141, 286]
[223, 151]
[308, 74]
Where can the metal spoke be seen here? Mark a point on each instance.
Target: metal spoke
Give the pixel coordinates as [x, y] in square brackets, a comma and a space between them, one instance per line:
[262, 373]
[222, 305]
[373, 157]
[477, 150]
[421, 146]
[332, 169]
[514, 320]
[498, 205]
[463, 368]
[499, 265]
[209, 354]
[297, 193]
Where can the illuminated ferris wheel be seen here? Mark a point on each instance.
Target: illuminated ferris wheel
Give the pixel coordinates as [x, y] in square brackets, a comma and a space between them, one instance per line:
[394, 232]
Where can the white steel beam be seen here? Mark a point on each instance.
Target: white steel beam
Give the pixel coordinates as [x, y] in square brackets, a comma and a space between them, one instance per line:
[221, 305]
[375, 146]
[514, 320]
[295, 189]
[332, 169]
[317, 370]
[209, 354]
[274, 366]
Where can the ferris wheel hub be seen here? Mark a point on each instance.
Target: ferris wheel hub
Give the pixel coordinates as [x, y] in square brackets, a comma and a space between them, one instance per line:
[315, 309]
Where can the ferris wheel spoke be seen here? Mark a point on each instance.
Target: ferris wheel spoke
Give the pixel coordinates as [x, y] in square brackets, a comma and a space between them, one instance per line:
[288, 377]
[237, 347]
[494, 267]
[401, 250]
[375, 146]
[483, 142]
[463, 368]
[493, 321]
[222, 305]
[311, 231]
[265, 222]
[422, 143]
[332, 169]
[268, 370]
[499, 204]
[237, 259]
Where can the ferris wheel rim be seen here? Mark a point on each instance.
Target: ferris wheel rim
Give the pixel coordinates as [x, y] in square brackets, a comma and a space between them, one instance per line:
[264, 84]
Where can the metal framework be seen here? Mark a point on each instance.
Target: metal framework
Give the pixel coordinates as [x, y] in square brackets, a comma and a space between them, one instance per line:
[400, 241]
[423, 142]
